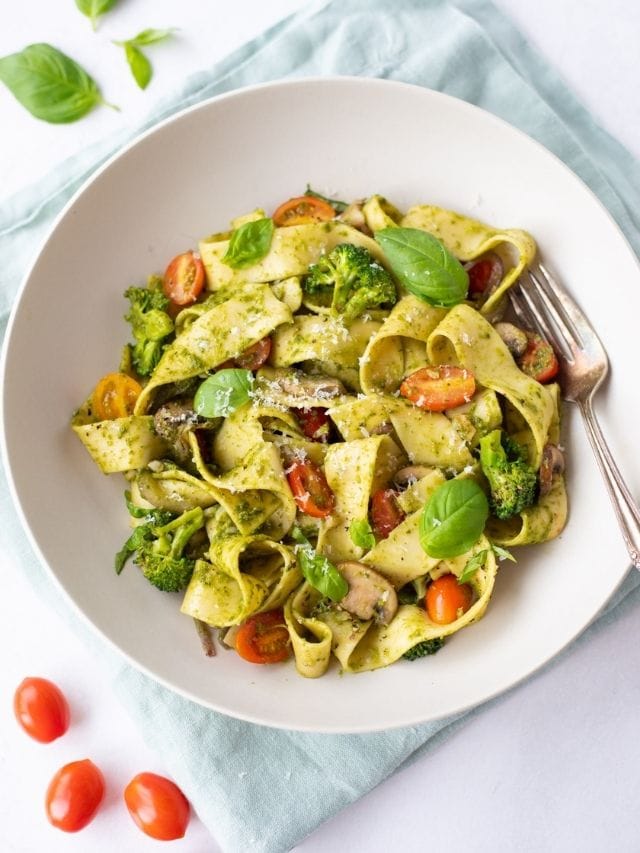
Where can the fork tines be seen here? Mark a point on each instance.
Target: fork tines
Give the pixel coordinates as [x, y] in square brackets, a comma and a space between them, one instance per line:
[541, 302]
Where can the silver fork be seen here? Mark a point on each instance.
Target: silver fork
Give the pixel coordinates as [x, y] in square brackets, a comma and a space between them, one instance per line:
[541, 302]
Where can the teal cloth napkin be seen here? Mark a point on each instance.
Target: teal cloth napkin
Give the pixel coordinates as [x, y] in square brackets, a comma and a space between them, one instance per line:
[260, 789]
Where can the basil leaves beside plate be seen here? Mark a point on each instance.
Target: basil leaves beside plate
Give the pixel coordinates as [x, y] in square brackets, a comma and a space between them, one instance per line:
[138, 62]
[51, 85]
[223, 393]
[425, 267]
[318, 571]
[93, 9]
[249, 244]
[453, 518]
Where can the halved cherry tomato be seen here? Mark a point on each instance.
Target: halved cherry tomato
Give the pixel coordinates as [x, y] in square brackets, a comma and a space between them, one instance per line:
[157, 806]
[115, 396]
[314, 423]
[310, 489]
[484, 273]
[255, 356]
[303, 209]
[264, 638]
[446, 599]
[41, 709]
[184, 278]
[74, 795]
[539, 359]
[386, 514]
[438, 388]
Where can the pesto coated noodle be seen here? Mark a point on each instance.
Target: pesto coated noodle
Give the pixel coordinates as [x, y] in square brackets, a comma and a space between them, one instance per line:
[295, 395]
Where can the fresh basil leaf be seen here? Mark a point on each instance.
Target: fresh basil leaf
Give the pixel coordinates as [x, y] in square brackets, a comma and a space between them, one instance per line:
[338, 206]
[453, 518]
[94, 8]
[361, 534]
[424, 265]
[223, 393]
[139, 65]
[249, 244]
[503, 554]
[476, 562]
[150, 36]
[318, 570]
[51, 85]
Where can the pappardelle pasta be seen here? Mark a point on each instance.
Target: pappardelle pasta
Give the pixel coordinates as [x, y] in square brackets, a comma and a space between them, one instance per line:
[329, 433]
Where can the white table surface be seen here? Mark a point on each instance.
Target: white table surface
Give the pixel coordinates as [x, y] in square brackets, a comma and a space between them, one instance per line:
[555, 766]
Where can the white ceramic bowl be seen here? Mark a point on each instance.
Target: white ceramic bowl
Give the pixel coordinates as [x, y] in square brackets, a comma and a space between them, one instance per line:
[187, 178]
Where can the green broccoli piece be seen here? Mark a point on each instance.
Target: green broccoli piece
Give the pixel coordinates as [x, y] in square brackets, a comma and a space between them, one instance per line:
[352, 279]
[150, 324]
[159, 545]
[512, 481]
[426, 647]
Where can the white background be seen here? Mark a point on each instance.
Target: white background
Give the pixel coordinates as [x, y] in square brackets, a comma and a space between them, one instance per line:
[555, 766]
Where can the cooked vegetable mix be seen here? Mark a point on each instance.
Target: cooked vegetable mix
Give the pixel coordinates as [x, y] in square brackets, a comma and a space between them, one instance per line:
[328, 431]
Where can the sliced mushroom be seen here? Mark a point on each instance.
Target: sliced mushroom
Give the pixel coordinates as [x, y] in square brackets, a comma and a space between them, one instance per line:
[354, 216]
[410, 474]
[299, 384]
[515, 338]
[172, 421]
[370, 595]
[552, 463]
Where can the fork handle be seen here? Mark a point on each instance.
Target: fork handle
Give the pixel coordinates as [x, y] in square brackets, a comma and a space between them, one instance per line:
[625, 507]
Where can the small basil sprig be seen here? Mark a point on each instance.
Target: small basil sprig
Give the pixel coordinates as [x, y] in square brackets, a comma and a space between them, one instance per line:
[138, 62]
[424, 266]
[318, 570]
[453, 519]
[223, 393]
[361, 534]
[338, 206]
[48, 83]
[249, 244]
[93, 9]
[478, 560]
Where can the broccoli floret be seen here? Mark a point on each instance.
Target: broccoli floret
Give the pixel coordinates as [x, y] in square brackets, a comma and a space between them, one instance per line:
[511, 479]
[150, 325]
[353, 279]
[426, 647]
[159, 544]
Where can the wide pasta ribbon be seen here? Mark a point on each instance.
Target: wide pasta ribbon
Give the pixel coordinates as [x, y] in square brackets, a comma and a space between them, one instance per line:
[221, 333]
[293, 249]
[466, 338]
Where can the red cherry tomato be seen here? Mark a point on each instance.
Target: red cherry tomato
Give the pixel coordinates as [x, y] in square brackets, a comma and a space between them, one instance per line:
[314, 423]
[438, 388]
[157, 806]
[484, 274]
[539, 359]
[255, 356]
[74, 795]
[264, 638]
[446, 599]
[41, 709]
[303, 209]
[310, 489]
[386, 514]
[184, 279]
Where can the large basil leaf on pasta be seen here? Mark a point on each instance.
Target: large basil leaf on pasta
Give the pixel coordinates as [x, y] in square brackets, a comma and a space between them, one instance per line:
[424, 266]
[223, 393]
[249, 244]
[453, 519]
